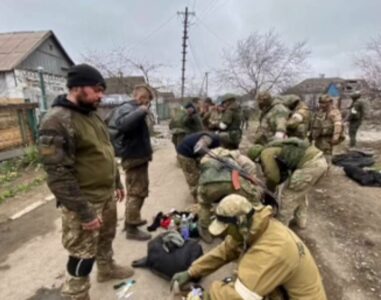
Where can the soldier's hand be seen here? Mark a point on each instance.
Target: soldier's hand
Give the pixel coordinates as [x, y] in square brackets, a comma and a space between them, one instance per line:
[182, 278]
[144, 108]
[93, 225]
[119, 195]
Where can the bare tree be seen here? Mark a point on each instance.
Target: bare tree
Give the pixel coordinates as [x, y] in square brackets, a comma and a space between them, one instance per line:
[369, 62]
[263, 62]
[118, 63]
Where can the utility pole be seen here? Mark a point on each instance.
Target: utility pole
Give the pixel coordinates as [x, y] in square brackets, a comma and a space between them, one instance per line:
[186, 15]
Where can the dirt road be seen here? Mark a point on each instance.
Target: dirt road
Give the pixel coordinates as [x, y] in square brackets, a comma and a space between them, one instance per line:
[344, 235]
[32, 260]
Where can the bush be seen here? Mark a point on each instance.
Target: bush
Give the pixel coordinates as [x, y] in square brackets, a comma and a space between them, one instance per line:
[31, 157]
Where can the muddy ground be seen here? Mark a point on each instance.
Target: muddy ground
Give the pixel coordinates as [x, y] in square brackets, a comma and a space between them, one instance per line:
[343, 233]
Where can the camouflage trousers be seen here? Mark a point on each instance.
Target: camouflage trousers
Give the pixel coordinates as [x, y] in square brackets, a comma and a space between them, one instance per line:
[353, 128]
[211, 193]
[137, 183]
[294, 201]
[191, 172]
[87, 244]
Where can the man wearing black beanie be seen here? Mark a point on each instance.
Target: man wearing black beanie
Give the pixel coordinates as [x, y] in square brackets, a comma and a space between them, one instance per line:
[82, 174]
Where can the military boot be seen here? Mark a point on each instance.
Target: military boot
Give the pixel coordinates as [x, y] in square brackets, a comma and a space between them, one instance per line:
[134, 233]
[205, 235]
[76, 288]
[110, 271]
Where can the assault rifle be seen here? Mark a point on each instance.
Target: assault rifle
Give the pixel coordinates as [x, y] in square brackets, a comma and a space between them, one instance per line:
[237, 171]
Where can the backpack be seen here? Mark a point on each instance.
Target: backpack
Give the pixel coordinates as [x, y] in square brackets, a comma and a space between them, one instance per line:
[166, 264]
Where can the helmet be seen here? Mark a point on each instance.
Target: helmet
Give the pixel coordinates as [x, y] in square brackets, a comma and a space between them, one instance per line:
[225, 97]
[255, 151]
[230, 210]
[264, 99]
[325, 99]
[291, 101]
[356, 95]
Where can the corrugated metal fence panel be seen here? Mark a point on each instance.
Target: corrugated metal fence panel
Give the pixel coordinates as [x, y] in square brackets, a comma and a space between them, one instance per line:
[163, 111]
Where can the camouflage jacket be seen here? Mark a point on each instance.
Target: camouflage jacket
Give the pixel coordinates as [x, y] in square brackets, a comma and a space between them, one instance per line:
[356, 111]
[272, 120]
[232, 117]
[299, 123]
[326, 127]
[78, 157]
[182, 122]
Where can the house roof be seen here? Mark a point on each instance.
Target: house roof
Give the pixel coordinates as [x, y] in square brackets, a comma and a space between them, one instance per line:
[15, 47]
[313, 85]
[123, 85]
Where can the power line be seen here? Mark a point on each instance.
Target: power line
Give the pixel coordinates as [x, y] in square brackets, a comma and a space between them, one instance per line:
[149, 35]
[215, 8]
[213, 33]
[209, 8]
[194, 57]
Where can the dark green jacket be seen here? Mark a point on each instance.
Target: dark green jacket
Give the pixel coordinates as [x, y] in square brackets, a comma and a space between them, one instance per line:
[78, 157]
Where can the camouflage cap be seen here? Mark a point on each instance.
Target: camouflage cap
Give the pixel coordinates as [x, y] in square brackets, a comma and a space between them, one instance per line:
[325, 99]
[255, 151]
[230, 206]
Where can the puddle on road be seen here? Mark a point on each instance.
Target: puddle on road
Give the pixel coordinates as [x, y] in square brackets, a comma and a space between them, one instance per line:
[47, 294]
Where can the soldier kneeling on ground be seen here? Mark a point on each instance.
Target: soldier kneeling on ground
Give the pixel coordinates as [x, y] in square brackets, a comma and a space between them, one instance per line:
[189, 155]
[297, 164]
[273, 262]
[217, 181]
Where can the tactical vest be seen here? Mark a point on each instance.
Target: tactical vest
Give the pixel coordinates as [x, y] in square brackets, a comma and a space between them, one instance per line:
[213, 171]
[293, 151]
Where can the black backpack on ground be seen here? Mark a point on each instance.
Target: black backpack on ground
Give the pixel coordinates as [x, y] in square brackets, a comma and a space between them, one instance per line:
[166, 264]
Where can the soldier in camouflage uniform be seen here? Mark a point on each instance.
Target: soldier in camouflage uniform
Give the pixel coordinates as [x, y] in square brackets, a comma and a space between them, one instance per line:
[272, 121]
[79, 159]
[327, 129]
[189, 154]
[299, 122]
[272, 262]
[298, 162]
[207, 107]
[355, 117]
[230, 124]
[185, 120]
[214, 118]
[216, 182]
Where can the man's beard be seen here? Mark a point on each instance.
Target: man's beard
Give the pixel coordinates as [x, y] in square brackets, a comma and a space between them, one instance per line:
[81, 100]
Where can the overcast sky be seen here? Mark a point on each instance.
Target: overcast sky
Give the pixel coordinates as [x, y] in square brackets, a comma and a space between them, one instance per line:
[335, 29]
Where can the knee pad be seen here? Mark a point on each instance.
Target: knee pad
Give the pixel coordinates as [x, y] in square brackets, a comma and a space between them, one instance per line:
[80, 267]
